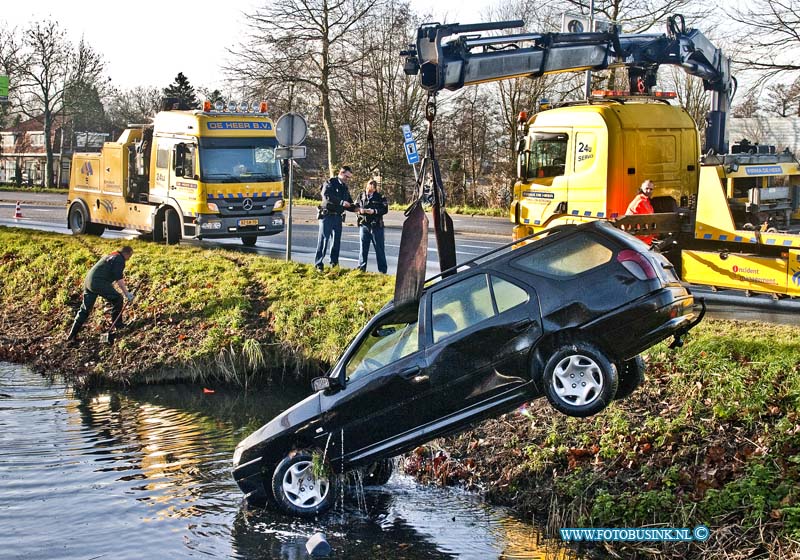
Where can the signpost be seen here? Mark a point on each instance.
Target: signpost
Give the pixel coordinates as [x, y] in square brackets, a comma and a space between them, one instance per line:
[290, 130]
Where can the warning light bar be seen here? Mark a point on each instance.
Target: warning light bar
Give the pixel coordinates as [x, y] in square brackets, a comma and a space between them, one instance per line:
[625, 93]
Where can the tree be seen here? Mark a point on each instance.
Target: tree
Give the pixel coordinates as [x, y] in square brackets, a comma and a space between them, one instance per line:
[782, 99]
[49, 66]
[306, 43]
[183, 91]
[772, 36]
[9, 64]
[138, 105]
[748, 107]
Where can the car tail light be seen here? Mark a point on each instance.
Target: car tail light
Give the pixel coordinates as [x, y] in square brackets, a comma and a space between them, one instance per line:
[637, 264]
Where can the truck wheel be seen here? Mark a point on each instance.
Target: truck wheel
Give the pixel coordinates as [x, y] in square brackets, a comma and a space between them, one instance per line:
[249, 240]
[631, 375]
[579, 380]
[95, 229]
[173, 225]
[78, 220]
[297, 491]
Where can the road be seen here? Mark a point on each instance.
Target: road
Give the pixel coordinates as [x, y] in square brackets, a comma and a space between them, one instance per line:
[474, 236]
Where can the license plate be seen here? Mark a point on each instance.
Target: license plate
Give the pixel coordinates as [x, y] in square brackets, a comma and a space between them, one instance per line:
[248, 222]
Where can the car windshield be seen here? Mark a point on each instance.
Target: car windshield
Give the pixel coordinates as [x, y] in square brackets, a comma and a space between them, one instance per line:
[387, 342]
[239, 160]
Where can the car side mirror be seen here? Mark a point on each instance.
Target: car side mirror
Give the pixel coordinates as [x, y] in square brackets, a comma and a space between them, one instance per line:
[327, 384]
[179, 171]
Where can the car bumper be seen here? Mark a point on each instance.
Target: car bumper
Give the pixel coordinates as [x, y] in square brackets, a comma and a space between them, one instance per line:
[646, 322]
[249, 478]
[216, 227]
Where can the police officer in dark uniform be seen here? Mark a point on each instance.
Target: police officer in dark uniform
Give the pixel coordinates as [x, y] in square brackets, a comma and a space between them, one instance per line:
[372, 207]
[335, 200]
[100, 282]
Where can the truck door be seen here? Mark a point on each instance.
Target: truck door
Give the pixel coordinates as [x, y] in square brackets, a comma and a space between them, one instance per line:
[160, 188]
[547, 160]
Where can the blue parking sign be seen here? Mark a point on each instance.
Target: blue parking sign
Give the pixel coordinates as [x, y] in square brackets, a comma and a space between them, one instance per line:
[411, 152]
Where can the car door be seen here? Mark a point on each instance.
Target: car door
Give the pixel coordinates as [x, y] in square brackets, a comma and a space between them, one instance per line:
[481, 332]
[381, 380]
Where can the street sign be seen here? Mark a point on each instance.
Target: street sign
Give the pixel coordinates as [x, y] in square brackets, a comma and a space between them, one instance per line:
[291, 129]
[412, 155]
[407, 135]
[290, 152]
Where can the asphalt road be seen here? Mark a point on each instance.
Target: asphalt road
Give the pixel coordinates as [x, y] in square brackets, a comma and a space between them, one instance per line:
[474, 236]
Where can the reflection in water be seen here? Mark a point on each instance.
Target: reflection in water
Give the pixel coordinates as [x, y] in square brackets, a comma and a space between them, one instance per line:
[146, 473]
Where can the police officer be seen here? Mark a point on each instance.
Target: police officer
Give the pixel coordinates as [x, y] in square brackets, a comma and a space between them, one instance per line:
[100, 282]
[335, 200]
[372, 207]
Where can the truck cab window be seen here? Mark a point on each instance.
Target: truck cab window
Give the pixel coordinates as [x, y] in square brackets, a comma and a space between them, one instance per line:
[547, 156]
[238, 160]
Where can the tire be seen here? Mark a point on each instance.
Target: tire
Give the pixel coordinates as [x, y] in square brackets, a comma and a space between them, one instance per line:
[95, 229]
[579, 380]
[173, 225]
[78, 219]
[296, 490]
[631, 375]
[378, 473]
[249, 240]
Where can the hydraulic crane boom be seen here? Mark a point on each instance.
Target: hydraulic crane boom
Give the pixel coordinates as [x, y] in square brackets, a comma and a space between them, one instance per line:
[471, 58]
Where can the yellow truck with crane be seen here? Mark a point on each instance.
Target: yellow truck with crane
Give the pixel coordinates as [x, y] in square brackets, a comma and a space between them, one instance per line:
[724, 219]
[201, 174]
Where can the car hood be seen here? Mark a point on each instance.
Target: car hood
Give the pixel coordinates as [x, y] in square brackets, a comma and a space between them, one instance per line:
[286, 422]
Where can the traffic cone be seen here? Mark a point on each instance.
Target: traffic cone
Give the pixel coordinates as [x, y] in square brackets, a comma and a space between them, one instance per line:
[18, 211]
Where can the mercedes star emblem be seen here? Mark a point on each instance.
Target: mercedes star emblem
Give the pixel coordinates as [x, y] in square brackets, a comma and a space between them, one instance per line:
[247, 204]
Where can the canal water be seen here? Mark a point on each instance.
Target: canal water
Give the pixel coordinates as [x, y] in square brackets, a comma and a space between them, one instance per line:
[145, 473]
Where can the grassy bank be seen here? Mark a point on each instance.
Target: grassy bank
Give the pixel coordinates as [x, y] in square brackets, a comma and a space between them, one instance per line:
[712, 437]
[455, 210]
[202, 313]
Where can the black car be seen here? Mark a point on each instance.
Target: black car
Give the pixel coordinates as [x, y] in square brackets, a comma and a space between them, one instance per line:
[564, 316]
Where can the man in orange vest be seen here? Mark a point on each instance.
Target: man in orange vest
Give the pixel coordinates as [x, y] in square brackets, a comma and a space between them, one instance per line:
[641, 205]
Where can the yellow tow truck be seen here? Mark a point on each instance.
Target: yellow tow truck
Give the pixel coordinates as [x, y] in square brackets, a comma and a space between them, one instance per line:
[724, 219]
[202, 174]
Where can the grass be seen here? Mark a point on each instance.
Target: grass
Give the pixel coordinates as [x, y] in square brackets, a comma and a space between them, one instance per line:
[208, 312]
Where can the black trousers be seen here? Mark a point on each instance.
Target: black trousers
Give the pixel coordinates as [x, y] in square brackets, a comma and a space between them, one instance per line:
[109, 294]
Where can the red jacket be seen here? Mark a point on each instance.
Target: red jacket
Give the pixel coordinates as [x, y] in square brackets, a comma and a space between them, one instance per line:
[640, 205]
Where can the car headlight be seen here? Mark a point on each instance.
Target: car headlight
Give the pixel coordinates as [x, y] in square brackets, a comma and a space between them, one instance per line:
[280, 204]
[213, 207]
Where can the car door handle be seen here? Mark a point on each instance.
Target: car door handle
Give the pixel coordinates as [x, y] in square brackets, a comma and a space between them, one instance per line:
[520, 326]
[409, 372]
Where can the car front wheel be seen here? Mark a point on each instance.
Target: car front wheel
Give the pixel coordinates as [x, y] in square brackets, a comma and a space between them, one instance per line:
[631, 375]
[579, 380]
[297, 490]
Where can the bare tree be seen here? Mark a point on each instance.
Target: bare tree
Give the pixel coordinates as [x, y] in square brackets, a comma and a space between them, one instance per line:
[748, 107]
[9, 63]
[137, 105]
[783, 98]
[305, 43]
[772, 36]
[49, 66]
[636, 16]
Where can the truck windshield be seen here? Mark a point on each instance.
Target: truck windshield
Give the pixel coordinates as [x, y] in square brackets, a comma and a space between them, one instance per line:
[239, 160]
[547, 155]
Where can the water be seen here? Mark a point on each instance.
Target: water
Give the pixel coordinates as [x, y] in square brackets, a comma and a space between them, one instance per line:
[145, 473]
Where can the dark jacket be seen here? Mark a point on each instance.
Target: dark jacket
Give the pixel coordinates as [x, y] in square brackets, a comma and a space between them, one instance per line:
[334, 192]
[376, 202]
[107, 270]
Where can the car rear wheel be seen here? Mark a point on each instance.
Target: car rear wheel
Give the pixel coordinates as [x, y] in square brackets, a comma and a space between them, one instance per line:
[579, 380]
[297, 490]
[631, 375]
[378, 473]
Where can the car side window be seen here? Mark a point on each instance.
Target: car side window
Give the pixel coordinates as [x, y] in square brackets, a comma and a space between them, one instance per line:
[385, 344]
[460, 306]
[566, 257]
[507, 295]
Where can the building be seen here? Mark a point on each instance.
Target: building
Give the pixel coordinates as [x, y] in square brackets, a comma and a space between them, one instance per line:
[23, 155]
